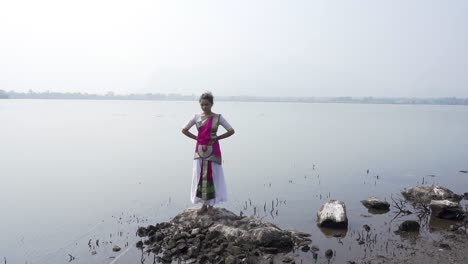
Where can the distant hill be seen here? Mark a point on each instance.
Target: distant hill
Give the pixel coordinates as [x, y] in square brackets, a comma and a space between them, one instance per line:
[3, 94]
[178, 97]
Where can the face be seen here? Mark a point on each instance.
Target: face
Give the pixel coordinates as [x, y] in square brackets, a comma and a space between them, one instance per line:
[205, 105]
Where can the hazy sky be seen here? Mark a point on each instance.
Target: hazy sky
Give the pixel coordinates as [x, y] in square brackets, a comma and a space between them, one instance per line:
[291, 48]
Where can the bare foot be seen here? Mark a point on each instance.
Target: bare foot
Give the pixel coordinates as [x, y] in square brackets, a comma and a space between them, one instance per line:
[203, 209]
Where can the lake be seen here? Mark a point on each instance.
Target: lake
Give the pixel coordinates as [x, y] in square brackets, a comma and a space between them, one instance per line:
[77, 171]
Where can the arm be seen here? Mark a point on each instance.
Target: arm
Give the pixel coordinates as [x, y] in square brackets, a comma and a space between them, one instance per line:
[186, 132]
[186, 128]
[229, 133]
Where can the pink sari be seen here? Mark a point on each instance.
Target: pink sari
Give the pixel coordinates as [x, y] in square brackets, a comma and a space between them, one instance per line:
[208, 153]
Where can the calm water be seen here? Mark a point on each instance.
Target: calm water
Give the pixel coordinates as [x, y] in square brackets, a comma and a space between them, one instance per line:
[73, 172]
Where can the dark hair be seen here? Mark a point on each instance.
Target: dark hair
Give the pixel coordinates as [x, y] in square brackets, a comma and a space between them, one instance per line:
[206, 95]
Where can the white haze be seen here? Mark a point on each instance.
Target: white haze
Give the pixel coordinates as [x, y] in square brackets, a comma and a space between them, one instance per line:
[279, 48]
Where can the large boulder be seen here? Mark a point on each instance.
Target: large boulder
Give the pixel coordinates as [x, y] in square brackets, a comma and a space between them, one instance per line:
[446, 209]
[426, 193]
[376, 203]
[219, 236]
[332, 214]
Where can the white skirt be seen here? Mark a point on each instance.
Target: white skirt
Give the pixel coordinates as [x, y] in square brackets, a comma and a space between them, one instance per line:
[218, 181]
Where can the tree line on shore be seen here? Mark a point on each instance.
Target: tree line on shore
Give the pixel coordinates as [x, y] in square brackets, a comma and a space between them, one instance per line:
[179, 97]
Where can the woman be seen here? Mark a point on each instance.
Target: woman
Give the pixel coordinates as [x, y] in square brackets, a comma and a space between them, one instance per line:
[208, 185]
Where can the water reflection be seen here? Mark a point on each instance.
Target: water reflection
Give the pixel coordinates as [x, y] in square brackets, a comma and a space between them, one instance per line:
[334, 233]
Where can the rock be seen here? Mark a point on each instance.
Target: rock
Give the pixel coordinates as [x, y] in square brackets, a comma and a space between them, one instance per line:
[272, 237]
[142, 232]
[266, 260]
[444, 246]
[139, 244]
[94, 252]
[305, 248]
[376, 203]
[465, 196]
[230, 260]
[329, 253]
[234, 250]
[159, 236]
[182, 247]
[181, 235]
[270, 250]
[156, 249]
[366, 227]
[315, 255]
[192, 252]
[195, 231]
[166, 257]
[171, 244]
[332, 214]
[446, 209]
[426, 194]
[116, 248]
[288, 259]
[409, 226]
[214, 236]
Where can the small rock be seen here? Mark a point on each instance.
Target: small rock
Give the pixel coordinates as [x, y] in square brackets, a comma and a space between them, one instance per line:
[361, 242]
[267, 260]
[142, 232]
[427, 193]
[305, 248]
[182, 247]
[195, 231]
[213, 234]
[329, 253]
[230, 260]
[465, 196]
[366, 227]
[376, 203]
[139, 244]
[315, 255]
[192, 252]
[94, 252]
[234, 250]
[409, 226]
[218, 250]
[156, 249]
[116, 248]
[270, 250]
[444, 246]
[446, 209]
[332, 214]
[171, 244]
[314, 249]
[288, 259]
